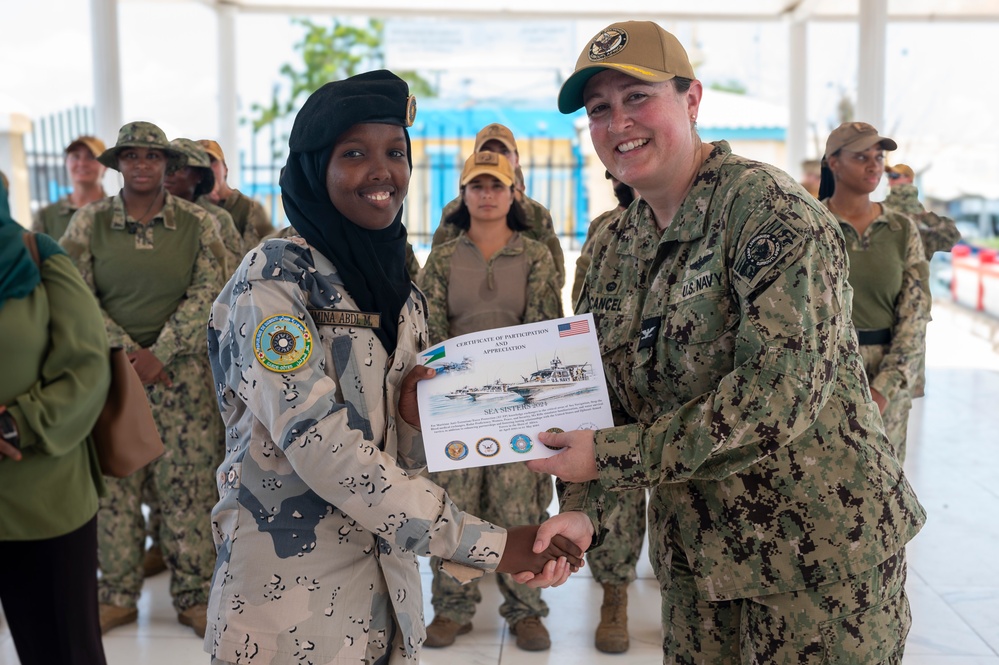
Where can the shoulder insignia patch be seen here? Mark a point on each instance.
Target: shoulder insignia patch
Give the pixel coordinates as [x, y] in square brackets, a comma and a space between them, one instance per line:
[282, 343]
[773, 241]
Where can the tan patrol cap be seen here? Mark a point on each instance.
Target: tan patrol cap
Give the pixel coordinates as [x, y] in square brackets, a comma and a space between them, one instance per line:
[91, 143]
[637, 48]
[495, 132]
[903, 170]
[487, 163]
[856, 137]
[213, 149]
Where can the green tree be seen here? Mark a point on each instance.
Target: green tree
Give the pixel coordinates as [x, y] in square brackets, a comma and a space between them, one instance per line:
[330, 53]
[735, 86]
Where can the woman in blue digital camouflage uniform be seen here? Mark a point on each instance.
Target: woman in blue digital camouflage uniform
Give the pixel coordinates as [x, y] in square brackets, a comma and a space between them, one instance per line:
[778, 513]
[314, 344]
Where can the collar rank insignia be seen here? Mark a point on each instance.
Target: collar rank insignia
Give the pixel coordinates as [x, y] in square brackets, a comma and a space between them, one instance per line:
[649, 332]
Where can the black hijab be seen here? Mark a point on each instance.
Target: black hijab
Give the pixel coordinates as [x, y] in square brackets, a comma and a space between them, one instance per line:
[371, 263]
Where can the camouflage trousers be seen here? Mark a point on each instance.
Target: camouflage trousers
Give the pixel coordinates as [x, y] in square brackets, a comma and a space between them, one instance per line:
[615, 560]
[149, 496]
[184, 478]
[385, 640]
[896, 415]
[919, 389]
[507, 495]
[862, 619]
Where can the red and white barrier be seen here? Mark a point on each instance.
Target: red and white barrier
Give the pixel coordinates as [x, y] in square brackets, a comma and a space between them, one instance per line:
[975, 279]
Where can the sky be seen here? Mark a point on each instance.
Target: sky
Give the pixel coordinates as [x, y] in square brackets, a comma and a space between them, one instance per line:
[940, 97]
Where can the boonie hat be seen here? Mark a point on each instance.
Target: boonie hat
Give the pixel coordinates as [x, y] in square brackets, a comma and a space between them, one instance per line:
[213, 149]
[640, 49]
[197, 157]
[495, 132]
[903, 170]
[487, 163]
[91, 143]
[141, 135]
[856, 137]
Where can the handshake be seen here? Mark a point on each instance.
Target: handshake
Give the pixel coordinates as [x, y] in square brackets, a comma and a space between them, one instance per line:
[546, 555]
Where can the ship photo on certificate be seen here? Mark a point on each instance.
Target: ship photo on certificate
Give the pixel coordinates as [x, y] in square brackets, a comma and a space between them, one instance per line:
[495, 390]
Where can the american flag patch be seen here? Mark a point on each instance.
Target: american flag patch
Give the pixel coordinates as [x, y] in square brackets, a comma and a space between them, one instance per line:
[573, 328]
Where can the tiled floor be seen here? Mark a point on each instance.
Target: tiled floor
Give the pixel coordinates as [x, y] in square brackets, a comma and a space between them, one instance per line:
[953, 465]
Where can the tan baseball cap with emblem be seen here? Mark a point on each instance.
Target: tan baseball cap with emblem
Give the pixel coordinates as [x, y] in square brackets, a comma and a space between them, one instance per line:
[91, 143]
[213, 149]
[856, 137]
[637, 48]
[903, 170]
[495, 132]
[487, 163]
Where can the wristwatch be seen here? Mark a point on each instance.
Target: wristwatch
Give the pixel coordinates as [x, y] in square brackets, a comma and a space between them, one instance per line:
[8, 428]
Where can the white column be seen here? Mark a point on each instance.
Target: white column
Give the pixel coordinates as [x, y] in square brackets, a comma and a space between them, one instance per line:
[14, 164]
[107, 69]
[107, 78]
[228, 99]
[797, 123]
[873, 17]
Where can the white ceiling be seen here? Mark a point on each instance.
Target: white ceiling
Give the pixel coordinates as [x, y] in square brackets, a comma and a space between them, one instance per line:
[703, 10]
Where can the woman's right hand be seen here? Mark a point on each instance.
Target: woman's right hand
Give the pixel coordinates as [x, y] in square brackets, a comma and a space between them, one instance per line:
[880, 400]
[7, 450]
[149, 368]
[519, 555]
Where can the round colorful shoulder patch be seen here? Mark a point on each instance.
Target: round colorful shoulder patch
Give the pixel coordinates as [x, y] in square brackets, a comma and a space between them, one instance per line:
[282, 343]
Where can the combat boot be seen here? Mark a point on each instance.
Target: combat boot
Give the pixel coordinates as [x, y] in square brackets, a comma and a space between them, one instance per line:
[612, 633]
[442, 632]
[196, 617]
[112, 616]
[531, 634]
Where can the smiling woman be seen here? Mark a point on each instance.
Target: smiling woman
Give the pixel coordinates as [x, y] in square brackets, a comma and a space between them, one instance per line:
[315, 345]
[723, 312]
[86, 173]
[368, 174]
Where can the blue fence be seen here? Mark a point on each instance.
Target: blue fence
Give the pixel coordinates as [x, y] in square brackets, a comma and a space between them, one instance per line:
[550, 159]
[44, 148]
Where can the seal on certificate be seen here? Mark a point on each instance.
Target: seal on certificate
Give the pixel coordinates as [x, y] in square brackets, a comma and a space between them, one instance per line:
[553, 430]
[456, 450]
[521, 443]
[488, 446]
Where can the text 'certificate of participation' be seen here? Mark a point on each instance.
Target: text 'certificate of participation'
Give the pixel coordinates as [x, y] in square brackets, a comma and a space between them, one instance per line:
[495, 390]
